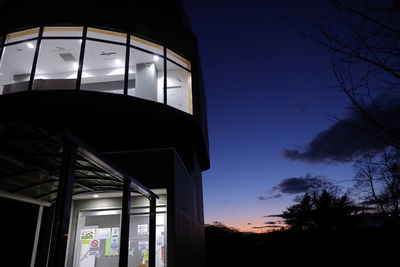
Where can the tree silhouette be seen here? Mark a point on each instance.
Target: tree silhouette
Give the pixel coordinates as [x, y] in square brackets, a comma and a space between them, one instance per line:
[363, 39]
[320, 212]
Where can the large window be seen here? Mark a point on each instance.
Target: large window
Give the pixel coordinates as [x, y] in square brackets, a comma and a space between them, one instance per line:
[57, 64]
[153, 72]
[179, 87]
[16, 67]
[103, 67]
[146, 75]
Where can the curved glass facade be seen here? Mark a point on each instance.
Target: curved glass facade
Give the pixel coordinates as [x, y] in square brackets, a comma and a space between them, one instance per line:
[93, 59]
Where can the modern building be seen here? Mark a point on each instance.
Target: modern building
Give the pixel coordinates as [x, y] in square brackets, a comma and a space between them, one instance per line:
[103, 134]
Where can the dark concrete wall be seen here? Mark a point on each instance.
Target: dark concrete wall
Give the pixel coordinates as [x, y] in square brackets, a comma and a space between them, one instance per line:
[188, 228]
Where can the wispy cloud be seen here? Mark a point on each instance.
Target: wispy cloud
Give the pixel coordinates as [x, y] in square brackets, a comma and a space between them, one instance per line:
[269, 197]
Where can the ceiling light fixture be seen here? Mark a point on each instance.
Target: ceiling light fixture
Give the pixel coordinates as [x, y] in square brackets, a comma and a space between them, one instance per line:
[95, 196]
[30, 45]
[156, 58]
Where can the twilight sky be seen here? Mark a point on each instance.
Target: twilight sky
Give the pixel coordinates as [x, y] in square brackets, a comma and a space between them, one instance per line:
[267, 92]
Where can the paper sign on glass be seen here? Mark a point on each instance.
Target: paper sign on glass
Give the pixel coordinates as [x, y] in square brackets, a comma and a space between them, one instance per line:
[103, 233]
[87, 234]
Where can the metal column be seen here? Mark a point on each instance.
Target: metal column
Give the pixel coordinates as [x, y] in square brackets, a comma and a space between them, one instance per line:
[126, 213]
[152, 233]
[62, 213]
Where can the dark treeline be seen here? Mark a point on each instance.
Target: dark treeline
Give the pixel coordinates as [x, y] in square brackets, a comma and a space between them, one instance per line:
[322, 228]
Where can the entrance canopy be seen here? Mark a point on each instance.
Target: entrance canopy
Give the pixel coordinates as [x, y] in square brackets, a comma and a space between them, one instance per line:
[31, 160]
[49, 167]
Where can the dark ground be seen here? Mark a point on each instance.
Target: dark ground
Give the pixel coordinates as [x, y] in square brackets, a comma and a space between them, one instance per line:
[357, 247]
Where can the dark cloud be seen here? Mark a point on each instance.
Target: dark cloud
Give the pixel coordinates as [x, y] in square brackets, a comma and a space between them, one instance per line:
[352, 137]
[297, 185]
[269, 197]
[270, 222]
[249, 223]
[266, 226]
[273, 216]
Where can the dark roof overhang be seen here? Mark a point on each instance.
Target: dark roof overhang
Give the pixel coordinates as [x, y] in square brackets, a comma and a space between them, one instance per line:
[110, 122]
[31, 160]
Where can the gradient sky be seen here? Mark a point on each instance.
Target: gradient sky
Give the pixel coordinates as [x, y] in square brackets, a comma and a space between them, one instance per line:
[267, 91]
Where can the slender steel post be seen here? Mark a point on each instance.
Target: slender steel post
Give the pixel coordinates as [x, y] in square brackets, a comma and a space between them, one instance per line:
[2, 43]
[35, 59]
[127, 55]
[81, 57]
[124, 240]
[37, 233]
[63, 205]
[152, 233]
[165, 76]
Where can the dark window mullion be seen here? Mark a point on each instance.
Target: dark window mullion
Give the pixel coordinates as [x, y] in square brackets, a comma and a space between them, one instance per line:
[2, 48]
[165, 75]
[125, 221]
[81, 57]
[35, 59]
[127, 55]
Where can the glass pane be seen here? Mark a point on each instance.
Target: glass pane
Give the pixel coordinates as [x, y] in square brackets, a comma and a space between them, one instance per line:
[161, 240]
[57, 65]
[178, 59]
[63, 31]
[103, 68]
[106, 35]
[149, 46]
[146, 76]
[16, 66]
[139, 236]
[99, 240]
[179, 88]
[22, 35]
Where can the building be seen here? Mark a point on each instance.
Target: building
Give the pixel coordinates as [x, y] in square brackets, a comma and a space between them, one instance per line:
[103, 134]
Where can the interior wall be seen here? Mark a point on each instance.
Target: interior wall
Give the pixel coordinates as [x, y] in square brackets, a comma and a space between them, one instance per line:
[93, 204]
[146, 81]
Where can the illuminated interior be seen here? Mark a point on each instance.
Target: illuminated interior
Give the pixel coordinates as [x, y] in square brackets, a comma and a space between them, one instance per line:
[49, 58]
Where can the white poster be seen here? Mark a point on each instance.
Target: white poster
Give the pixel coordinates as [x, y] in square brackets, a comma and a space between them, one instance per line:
[103, 233]
[143, 229]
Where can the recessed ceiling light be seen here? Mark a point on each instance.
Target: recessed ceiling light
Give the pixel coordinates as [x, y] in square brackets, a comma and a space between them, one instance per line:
[95, 196]
[156, 58]
[30, 45]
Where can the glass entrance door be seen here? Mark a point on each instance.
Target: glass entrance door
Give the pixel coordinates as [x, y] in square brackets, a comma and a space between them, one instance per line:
[97, 242]
[98, 237]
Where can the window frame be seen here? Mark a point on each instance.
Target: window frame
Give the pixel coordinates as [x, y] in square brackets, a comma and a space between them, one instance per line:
[166, 55]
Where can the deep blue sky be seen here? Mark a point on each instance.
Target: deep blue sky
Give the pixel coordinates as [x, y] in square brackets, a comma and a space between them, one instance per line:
[267, 90]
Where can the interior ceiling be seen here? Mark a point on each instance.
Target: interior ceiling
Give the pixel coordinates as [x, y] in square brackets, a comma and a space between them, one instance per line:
[18, 58]
[30, 161]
